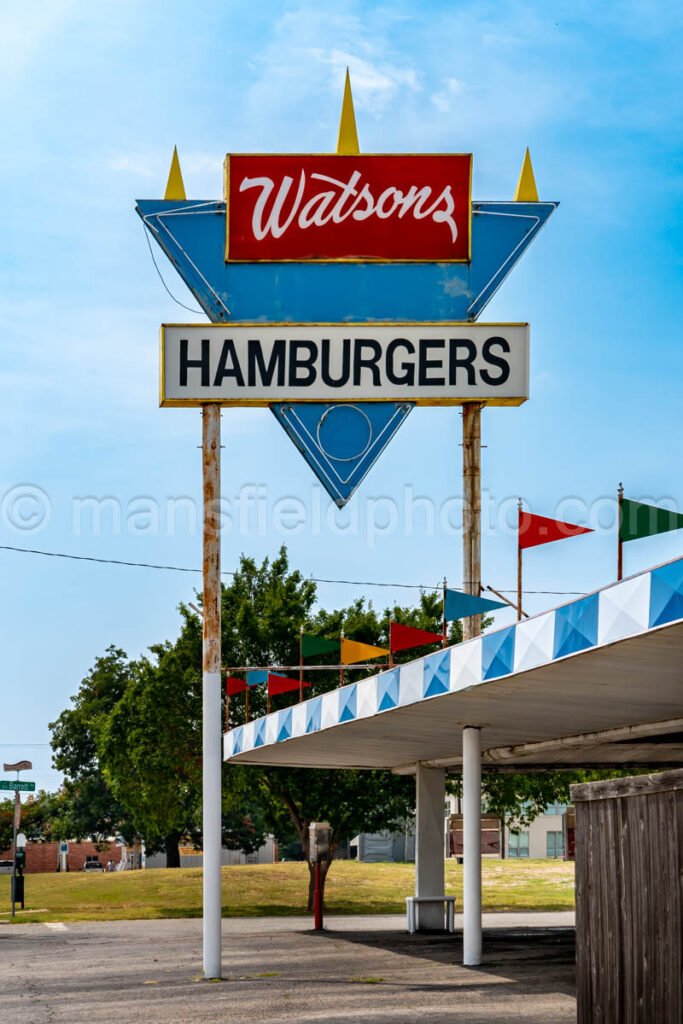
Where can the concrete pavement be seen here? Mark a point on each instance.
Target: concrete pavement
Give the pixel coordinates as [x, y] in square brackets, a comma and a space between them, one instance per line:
[360, 969]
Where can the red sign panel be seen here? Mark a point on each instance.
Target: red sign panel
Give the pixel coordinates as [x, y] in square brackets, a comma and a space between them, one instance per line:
[316, 208]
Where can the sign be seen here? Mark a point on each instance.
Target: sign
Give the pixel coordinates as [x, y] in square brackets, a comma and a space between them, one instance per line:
[424, 364]
[63, 847]
[20, 766]
[341, 443]
[20, 787]
[324, 208]
[192, 235]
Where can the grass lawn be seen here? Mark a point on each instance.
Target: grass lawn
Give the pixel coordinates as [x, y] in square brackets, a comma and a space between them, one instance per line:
[256, 890]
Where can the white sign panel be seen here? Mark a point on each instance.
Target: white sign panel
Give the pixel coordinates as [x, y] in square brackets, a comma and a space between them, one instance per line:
[426, 363]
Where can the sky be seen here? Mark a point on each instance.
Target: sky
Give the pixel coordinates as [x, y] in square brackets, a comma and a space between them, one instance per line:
[93, 98]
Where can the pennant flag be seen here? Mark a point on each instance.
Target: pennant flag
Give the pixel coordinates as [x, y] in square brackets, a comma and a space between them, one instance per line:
[316, 645]
[638, 520]
[235, 685]
[461, 606]
[535, 530]
[283, 684]
[256, 676]
[352, 651]
[401, 637]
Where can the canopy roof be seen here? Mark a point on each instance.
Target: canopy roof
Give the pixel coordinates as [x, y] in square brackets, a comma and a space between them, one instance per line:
[598, 681]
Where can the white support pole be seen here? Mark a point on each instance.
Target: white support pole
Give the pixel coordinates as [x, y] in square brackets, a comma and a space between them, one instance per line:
[430, 786]
[471, 815]
[211, 690]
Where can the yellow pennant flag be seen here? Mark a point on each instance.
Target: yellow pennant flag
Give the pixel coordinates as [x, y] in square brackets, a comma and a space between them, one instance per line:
[352, 651]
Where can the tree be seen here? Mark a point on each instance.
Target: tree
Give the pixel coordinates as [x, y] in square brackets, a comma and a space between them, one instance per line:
[150, 750]
[90, 809]
[263, 610]
[131, 745]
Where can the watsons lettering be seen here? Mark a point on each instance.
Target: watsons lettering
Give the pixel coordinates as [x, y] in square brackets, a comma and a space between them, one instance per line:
[277, 208]
[323, 208]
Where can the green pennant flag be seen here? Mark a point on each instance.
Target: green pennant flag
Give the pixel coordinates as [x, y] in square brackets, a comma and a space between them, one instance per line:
[640, 520]
[311, 645]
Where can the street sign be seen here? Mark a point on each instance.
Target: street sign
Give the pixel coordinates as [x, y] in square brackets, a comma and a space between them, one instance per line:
[323, 208]
[20, 787]
[425, 364]
[20, 766]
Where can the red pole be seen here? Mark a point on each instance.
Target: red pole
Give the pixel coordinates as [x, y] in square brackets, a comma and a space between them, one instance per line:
[444, 641]
[317, 902]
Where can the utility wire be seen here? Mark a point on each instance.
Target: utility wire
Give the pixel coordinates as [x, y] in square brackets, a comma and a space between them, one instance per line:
[313, 579]
[168, 290]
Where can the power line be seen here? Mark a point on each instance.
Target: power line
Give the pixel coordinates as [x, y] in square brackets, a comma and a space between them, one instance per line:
[313, 579]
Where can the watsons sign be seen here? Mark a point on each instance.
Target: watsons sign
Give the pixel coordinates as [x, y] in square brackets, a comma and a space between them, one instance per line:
[318, 208]
[429, 364]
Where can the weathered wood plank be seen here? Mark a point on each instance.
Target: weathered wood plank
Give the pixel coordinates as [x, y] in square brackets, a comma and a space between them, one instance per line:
[629, 901]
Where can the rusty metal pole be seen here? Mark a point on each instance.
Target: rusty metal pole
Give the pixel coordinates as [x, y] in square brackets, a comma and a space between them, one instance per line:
[211, 690]
[471, 513]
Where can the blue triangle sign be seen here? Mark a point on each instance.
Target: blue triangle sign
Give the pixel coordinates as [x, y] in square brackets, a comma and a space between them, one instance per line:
[341, 443]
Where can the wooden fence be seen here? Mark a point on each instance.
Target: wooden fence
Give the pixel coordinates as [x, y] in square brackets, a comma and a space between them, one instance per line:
[629, 872]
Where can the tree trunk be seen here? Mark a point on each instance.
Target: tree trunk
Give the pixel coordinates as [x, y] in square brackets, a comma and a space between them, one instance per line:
[172, 850]
[324, 868]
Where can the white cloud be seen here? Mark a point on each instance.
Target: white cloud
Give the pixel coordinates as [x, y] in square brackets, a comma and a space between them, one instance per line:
[374, 83]
[132, 165]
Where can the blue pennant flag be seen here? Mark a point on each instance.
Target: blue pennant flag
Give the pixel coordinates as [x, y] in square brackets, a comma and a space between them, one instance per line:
[341, 443]
[461, 606]
[255, 676]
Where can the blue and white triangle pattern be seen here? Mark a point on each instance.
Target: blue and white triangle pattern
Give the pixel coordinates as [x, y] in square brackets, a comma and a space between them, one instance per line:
[341, 443]
[650, 601]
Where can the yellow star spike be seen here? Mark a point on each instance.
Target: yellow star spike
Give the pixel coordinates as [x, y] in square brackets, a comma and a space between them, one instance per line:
[526, 191]
[175, 186]
[347, 141]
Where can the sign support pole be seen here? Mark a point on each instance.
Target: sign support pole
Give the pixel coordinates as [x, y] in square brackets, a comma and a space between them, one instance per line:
[211, 690]
[471, 627]
[471, 513]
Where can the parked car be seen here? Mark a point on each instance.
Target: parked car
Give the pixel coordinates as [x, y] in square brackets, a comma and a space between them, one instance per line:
[92, 864]
[5, 867]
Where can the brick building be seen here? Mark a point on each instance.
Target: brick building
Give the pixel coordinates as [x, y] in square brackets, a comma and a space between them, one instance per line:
[44, 857]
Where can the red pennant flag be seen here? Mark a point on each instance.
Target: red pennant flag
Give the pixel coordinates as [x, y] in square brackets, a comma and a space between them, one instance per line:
[235, 685]
[401, 638]
[282, 684]
[535, 530]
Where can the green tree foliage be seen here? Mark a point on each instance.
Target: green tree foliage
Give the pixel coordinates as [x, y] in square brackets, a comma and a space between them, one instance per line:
[90, 809]
[130, 744]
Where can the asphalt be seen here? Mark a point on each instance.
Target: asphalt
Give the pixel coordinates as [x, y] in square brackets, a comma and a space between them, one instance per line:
[359, 969]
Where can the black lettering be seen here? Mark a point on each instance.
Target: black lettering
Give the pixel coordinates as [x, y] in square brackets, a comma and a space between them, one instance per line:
[494, 360]
[369, 362]
[466, 363]
[266, 371]
[327, 377]
[425, 364]
[408, 376]
[200, 364]
[302, 356]
[231, 369]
